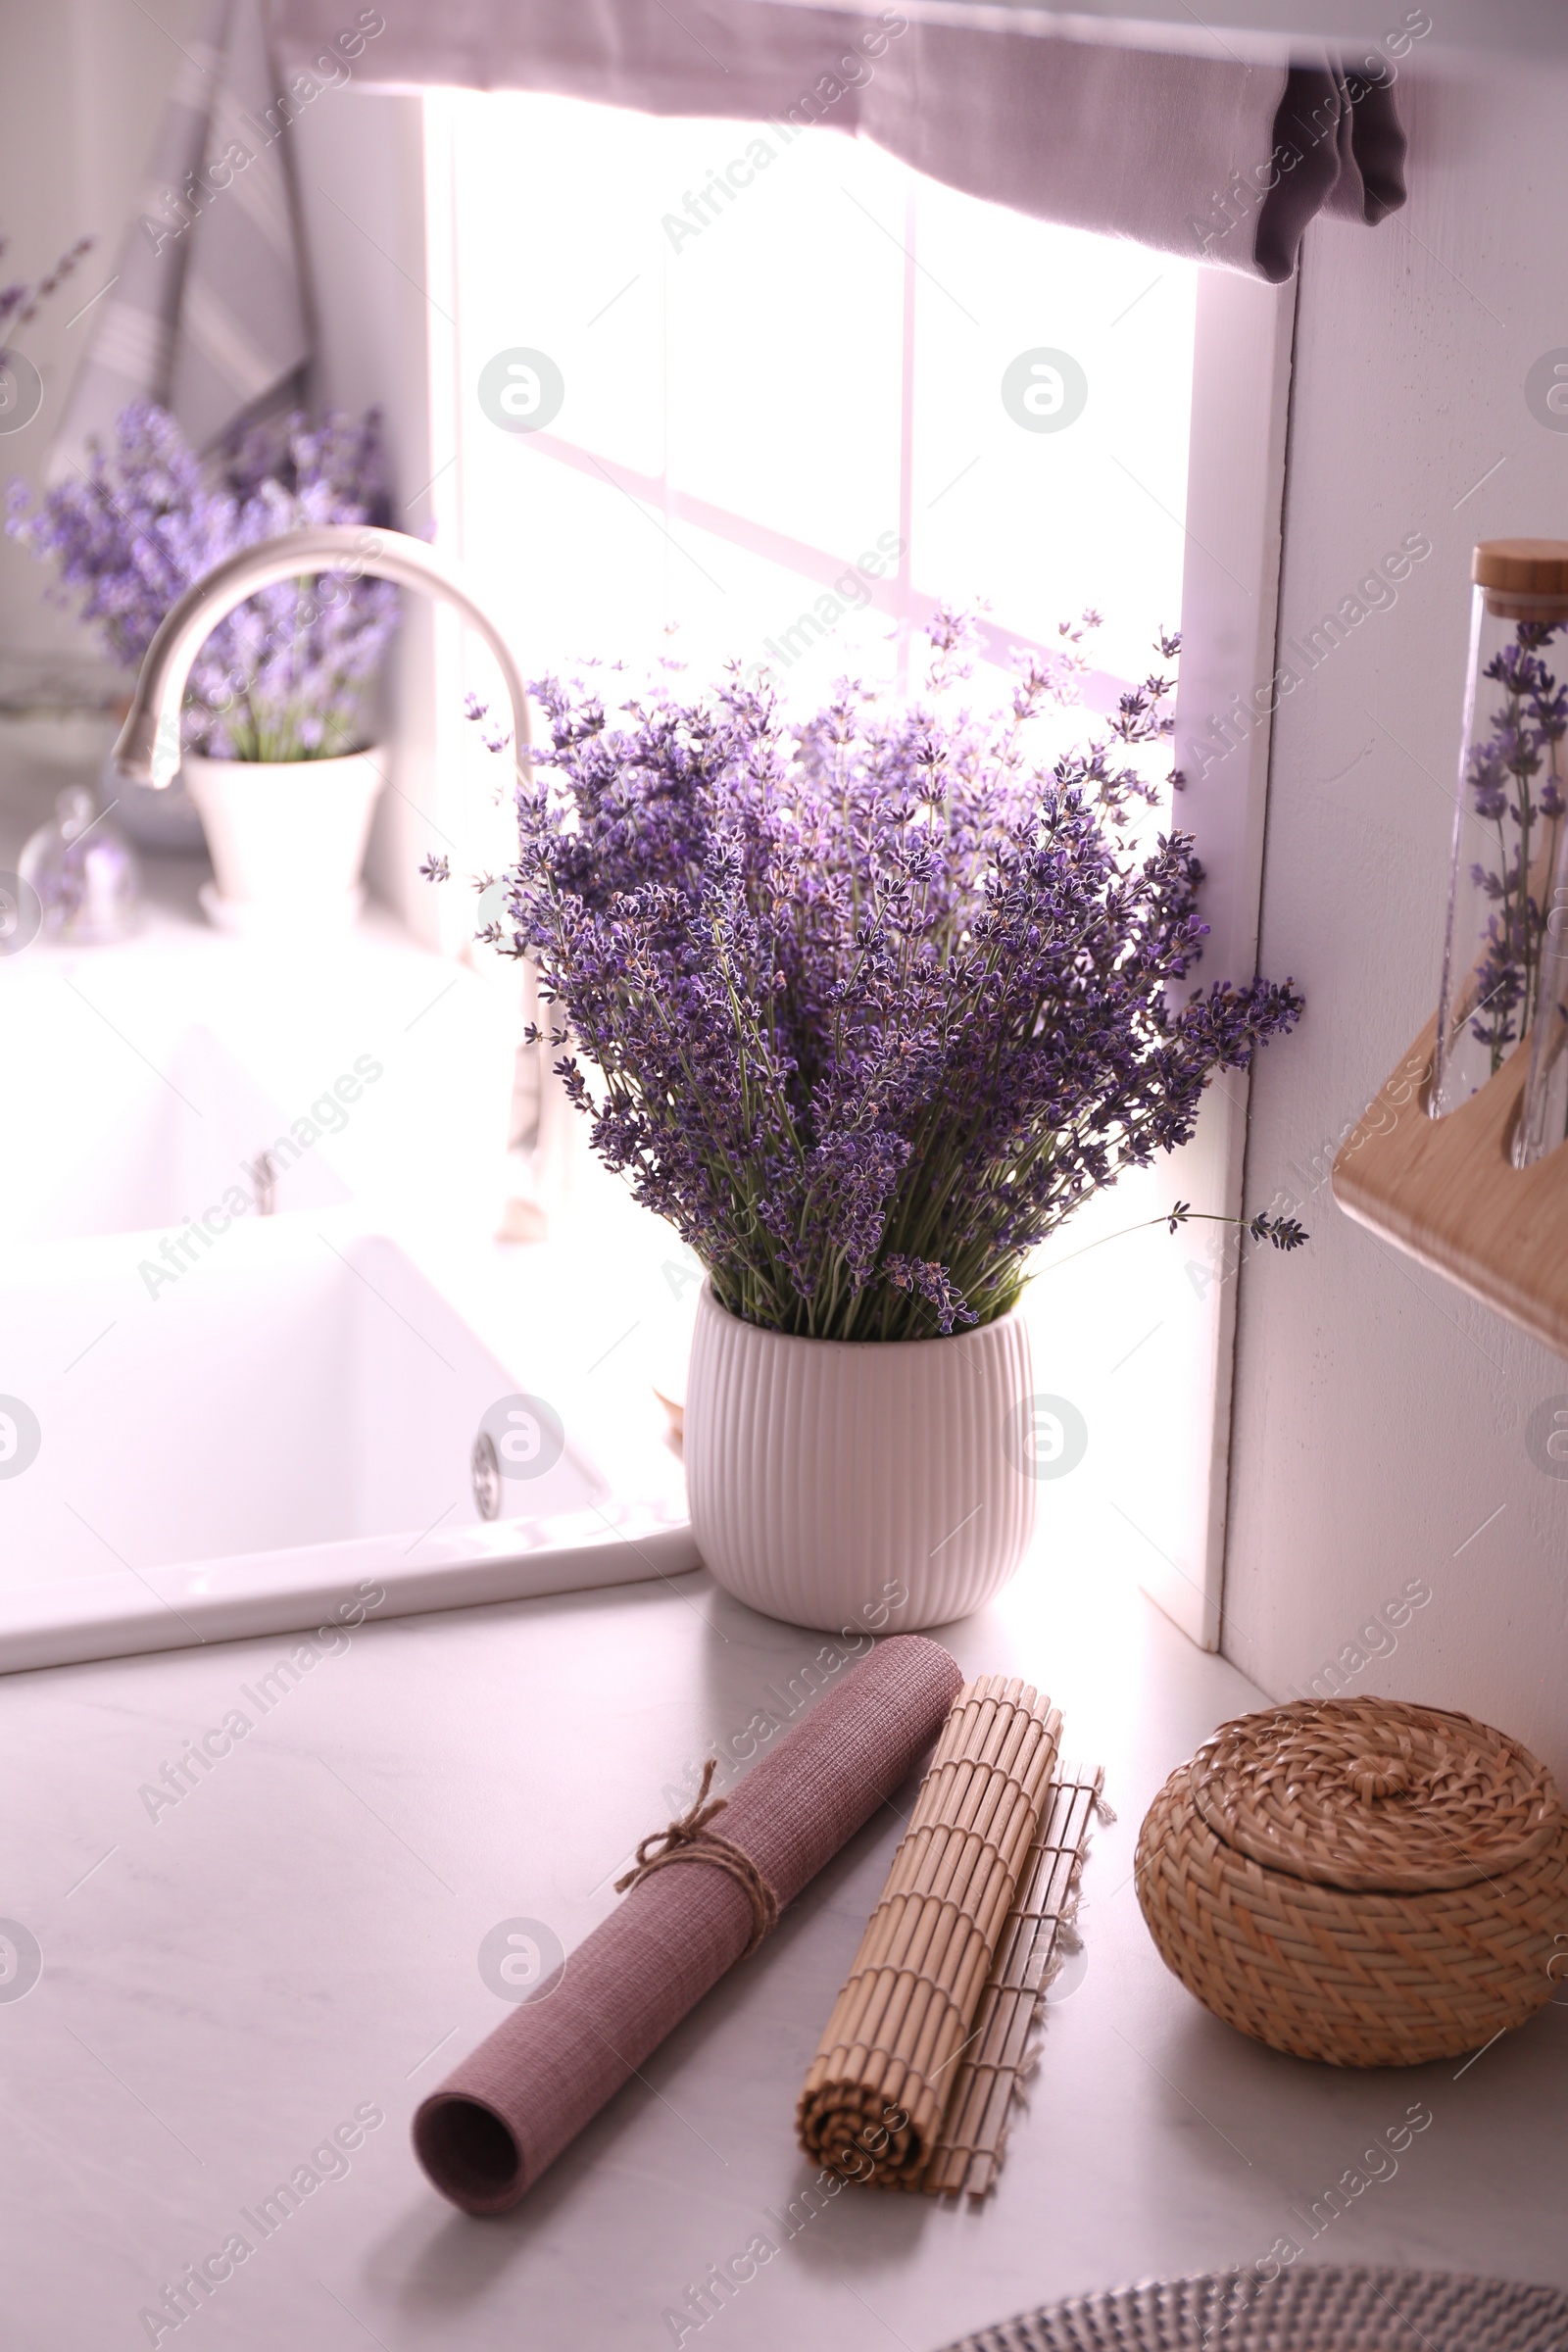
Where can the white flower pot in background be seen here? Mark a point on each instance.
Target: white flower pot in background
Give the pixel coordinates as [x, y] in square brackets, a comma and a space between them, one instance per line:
[828, 1476]
[287, 837]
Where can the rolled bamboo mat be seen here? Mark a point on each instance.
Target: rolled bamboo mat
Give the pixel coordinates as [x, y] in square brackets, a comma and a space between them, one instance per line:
[490, 2129]
[874, 2096]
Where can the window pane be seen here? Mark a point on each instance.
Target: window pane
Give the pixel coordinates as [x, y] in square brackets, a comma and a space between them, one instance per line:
[782, 357]
[785, 340]
[1045, 522]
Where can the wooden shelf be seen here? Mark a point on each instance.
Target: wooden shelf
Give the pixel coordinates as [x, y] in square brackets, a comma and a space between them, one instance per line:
[1446, 1190]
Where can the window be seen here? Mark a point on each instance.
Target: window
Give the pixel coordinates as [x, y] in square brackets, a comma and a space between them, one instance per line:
[747, 411]
[801, 394]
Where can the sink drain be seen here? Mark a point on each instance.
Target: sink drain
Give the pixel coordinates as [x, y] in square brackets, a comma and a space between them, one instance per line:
[520, 1438]
[486, 1471]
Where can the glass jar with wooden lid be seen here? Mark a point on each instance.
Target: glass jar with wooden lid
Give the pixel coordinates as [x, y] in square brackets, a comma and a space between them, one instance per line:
[1508, 884]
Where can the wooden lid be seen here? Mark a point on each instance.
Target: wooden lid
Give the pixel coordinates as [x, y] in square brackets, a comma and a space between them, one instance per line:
[1522, 566]
[1368, 1793]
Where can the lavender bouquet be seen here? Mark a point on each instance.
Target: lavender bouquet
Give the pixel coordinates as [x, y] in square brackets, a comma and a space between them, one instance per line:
[875, 1001]
[288, 674]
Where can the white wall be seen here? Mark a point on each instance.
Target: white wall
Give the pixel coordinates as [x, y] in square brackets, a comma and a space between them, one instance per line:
[383, 332]
[1380, 1413]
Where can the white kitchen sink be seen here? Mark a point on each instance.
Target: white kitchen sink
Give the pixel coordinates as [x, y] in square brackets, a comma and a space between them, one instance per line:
[138, 1142]
[278, 1437]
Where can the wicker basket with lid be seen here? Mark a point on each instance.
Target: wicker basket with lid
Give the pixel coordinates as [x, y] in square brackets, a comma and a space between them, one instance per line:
[1360, 1880]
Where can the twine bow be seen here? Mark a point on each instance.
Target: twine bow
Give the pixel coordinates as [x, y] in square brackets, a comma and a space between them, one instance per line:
[690, 1839]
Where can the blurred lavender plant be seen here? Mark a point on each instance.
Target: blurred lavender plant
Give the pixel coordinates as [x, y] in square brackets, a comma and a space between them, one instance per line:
[21, 304]
[1516, 783]
[875, 1001]
[288, 674]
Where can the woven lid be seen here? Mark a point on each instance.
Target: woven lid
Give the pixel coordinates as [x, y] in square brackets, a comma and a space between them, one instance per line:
[1370, 1793]
[1523, 567]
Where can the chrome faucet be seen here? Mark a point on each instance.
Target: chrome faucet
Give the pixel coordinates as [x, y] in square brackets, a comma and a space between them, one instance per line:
[147, 750]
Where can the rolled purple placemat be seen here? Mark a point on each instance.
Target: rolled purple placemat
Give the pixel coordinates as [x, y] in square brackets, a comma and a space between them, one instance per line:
[504, 2115]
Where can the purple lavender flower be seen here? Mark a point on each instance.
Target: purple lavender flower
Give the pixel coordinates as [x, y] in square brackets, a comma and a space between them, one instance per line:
[289, 674]
[21, 304]
[872, 1002]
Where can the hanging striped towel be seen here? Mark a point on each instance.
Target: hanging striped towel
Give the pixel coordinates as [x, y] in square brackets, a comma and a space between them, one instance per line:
[206, 312]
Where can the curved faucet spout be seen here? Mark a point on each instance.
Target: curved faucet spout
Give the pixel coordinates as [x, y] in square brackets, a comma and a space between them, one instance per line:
[147, 750]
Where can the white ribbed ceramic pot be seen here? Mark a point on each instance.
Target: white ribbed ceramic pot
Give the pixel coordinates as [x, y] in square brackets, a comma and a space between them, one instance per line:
[825, 1475]
[287, 837]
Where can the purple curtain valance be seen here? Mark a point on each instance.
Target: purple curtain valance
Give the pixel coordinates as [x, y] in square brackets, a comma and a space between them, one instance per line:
[1214, 159]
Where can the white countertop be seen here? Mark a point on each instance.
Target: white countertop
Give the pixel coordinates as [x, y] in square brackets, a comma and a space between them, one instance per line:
[296, 1939]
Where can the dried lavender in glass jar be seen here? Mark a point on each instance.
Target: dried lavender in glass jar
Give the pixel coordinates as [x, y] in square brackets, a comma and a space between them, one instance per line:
[1508, 886]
